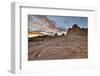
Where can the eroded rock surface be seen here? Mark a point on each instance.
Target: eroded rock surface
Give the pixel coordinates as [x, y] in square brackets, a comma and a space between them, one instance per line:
[73, 45]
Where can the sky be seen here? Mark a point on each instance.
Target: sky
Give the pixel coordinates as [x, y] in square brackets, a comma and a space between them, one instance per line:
[66, 21]
[48, 24]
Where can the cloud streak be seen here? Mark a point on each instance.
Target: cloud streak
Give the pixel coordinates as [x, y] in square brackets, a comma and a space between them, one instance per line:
[44, 23]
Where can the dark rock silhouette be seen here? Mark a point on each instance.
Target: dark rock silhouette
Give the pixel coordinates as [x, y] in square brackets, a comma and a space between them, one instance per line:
[55, 34]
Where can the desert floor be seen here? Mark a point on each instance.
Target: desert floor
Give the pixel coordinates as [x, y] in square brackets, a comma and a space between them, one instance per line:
[58, 47]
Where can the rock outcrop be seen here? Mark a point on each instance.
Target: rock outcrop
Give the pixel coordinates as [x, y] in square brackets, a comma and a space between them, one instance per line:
[77, 30]
[74, 45]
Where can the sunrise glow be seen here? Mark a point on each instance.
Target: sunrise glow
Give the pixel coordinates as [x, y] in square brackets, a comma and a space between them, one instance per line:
[32, 35]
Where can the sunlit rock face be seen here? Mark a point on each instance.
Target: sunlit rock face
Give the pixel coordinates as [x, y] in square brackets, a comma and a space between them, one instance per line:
[77, 30]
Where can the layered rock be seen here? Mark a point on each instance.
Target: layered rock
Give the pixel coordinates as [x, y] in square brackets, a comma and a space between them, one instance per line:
[77, 30]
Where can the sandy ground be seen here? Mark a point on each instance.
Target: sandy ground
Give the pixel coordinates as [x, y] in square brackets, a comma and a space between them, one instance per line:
[62, 47]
